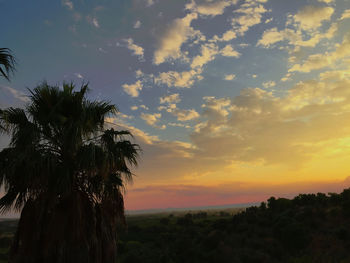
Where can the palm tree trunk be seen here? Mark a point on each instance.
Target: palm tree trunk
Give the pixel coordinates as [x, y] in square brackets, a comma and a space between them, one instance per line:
[73, 229]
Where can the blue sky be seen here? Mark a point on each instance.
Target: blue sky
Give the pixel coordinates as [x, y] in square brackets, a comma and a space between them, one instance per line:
[215, 90]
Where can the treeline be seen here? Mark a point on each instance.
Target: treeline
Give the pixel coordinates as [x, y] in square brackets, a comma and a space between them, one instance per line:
[309, 228]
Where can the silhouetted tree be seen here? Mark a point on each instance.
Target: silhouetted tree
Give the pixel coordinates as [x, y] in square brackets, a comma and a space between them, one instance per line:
[68, 173]
[7, 63]
[7, 66]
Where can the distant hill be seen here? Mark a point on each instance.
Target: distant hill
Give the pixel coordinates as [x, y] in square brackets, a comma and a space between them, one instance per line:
[188, 209]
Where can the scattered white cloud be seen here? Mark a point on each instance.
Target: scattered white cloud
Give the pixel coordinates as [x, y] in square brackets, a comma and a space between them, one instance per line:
[175, 35]
[322, 60]
[68, 4]
[295, 37]
[327, 1]
[230, 77]
[269, 84]
[184, 79]
[92, 21]
[268, 20]
[185, 115]
[287, 77]
[173, 98]
[16, 93]
[144, 107]
[139, 73]
[176, 124]
[250, 14]
[149, 3]
[228, 51]
[227, 36]
[102, 50]
[137, 24]
[208, 53]
[312, 17]
[210, 8]
[345, 15]
[79, 76]
[137, 50]
[133, 89]
[152, 120]
[95, 22]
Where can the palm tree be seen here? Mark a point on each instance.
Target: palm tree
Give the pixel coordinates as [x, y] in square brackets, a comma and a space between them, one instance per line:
[7, 63]
[67, 172]
[7, 66]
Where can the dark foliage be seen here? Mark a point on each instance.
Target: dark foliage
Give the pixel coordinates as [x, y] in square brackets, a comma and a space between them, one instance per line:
[311, 228]
[67, 172]
[7, 63]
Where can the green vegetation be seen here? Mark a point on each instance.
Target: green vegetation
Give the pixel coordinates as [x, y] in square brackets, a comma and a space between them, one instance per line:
[67, 172]
[311, 228]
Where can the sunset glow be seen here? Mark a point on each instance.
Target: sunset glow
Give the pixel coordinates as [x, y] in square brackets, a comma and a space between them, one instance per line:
[232, 101]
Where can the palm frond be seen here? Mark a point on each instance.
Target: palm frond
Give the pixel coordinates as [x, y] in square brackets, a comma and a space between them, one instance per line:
[7, 63]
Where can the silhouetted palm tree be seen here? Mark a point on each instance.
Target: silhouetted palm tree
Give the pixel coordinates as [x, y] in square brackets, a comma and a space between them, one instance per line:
[7, 66]
[68, 174]
[7, 63]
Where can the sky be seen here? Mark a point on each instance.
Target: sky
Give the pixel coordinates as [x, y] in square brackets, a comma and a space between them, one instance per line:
[232, 101]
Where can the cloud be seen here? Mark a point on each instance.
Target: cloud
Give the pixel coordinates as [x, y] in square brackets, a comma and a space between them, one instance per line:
[346, 14]
[16, 93]
[95, 22]
[322, 60]
[228, 51]
[269, 84]
[226, 36]
[230, 77]
[174, 124]
[133, 108]
[149, 3]
[295, 37]
[68, 4]
[180, 114]
[244, 127]
[271, 36]
[208, 53]
[173, 98]
[184, 79]
[184, 115]
[250, 15]
[137, 24]
[312, 17]
[137, 50]
[171, 41]
[152, 120]
[133, 89]
[144, 107]
[327, 1]
[209, 8]
[79, 76]
[102, 50]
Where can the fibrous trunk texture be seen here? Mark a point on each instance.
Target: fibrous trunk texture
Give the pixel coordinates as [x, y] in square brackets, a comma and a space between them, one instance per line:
[73, 229]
